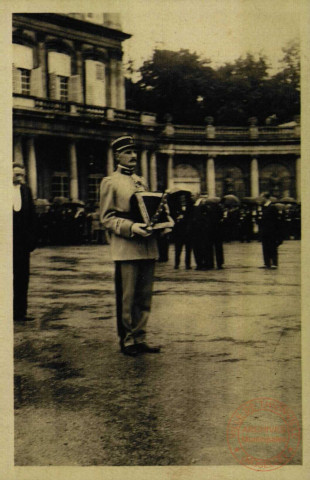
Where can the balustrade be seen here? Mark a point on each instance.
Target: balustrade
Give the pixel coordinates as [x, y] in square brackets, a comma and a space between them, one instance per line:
[129, 115]
[54, 105]
[190, 132]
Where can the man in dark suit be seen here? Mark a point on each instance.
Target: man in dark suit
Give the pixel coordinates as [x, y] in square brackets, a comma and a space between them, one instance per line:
[24, 241]
[271, 233]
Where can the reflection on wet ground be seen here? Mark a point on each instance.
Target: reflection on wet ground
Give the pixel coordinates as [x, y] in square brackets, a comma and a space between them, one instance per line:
[227, 336]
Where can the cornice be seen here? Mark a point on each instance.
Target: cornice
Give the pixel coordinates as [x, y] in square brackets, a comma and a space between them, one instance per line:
[71, 28]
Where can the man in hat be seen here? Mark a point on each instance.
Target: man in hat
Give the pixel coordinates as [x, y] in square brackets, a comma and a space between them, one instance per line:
[24, 241]
[271, 233]
[133, 248]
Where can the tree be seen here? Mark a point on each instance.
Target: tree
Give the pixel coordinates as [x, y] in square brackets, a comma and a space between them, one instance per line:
[187, 87]
[173, 82]
[240, 92]
[283, 89]
[291, 64]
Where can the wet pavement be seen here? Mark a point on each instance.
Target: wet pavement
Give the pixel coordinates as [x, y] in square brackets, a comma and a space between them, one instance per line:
[227, 336]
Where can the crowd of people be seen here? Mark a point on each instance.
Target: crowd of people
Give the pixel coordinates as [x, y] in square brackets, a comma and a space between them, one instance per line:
[63, 222]
[203, 226]
[196, 226]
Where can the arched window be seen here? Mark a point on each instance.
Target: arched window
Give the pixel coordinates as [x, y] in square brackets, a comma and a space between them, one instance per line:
[277, 179]
[230, 180]
[59, 69]
[186, 177]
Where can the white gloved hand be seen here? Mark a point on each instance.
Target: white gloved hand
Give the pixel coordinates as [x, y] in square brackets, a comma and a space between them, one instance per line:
[140, 229]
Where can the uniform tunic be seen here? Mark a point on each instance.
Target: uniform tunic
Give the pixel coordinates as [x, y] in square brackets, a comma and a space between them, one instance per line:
[115, 194]
[134, 255]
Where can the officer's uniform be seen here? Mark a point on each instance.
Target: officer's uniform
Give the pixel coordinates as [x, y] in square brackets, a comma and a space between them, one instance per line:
[134, 256]
[271, 234]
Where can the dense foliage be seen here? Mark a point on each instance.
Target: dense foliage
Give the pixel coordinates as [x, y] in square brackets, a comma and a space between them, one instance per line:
[189, 89]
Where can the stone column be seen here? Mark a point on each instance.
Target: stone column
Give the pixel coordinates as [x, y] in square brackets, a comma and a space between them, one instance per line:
[42, 64]
[74, 187]
[18, 150]
[254, 178]
[170, 171]
[144, 165]
[153, 172]
[32, 167]
[113, 83]
[110, 161]
[298, 179]
[121, 99]
[211, 177]
[79, 61]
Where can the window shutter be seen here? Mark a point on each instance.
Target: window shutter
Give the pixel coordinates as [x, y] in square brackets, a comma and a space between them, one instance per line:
[90, 81]
[17, 80]
[75, 89]
[100, 85]
[54, 86]
[36, 87]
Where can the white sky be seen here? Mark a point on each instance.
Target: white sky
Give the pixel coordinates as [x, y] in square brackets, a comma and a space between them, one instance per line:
[221, 30]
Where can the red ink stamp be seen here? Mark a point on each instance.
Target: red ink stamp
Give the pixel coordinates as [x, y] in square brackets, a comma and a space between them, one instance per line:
[263, 434]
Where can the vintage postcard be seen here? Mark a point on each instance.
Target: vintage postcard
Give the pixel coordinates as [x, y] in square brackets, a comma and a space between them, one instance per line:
[154, 291]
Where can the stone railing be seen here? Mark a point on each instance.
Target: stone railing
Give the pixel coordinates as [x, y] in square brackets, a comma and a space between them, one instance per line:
[211, 132]
[231, 132]
[89, 110]
[127, 115]
[185, 131]
[148, 120]
[51, 105]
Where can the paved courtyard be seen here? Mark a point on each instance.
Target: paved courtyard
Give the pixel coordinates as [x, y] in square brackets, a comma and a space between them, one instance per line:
[227, 336]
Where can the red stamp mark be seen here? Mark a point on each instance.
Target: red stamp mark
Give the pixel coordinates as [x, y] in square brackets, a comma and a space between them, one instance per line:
[263, 434]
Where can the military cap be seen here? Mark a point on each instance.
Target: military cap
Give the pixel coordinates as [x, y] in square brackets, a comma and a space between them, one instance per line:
[123, 143]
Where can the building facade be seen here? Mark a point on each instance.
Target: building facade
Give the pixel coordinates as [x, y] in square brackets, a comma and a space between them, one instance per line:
[69, 104]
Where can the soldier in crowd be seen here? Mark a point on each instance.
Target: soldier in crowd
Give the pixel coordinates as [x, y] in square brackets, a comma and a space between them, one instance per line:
[271, 233]
[245, 223]
[215, 235]
[181, 207]
[133, 249]
[208, 235]
[296, 222]
[199, 234]
[24, 241]
[163, 248]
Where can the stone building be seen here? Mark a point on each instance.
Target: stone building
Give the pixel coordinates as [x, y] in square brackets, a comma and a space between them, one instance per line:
[69, 104]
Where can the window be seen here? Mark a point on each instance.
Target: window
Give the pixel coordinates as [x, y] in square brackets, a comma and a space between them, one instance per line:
[25, 81]
[59, 68]
[60, 185]
[22, 68]
[63, 87]
[94, 181]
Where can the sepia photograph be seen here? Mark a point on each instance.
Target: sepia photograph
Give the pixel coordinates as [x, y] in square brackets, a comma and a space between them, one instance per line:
[153, 262]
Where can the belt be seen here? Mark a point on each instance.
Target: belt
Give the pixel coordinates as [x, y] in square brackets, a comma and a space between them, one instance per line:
[126, 215]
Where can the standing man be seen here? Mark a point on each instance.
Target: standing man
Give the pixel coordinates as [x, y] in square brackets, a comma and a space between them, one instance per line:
[133, 249]
[24, 240]
[271, 233]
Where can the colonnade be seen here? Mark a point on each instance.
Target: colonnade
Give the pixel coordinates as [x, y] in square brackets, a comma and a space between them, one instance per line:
[148, 163]
[211, 175]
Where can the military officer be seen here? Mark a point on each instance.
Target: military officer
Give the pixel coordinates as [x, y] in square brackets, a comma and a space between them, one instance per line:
[133, 249]
[271, 233]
